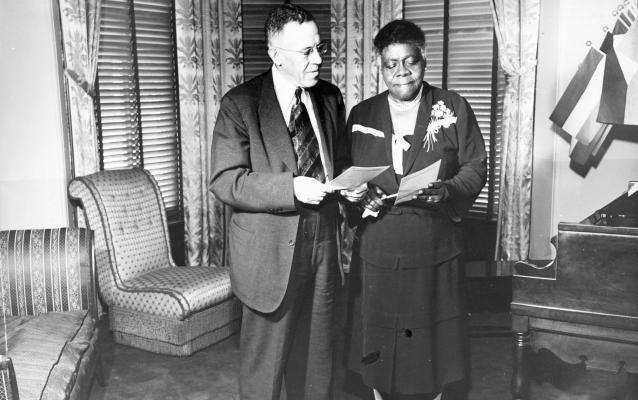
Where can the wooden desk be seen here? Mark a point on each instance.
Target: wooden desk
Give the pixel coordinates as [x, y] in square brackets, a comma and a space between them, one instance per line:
[583, 307]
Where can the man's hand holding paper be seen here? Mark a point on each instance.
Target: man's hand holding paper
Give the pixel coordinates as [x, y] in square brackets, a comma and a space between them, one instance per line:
[309, 190]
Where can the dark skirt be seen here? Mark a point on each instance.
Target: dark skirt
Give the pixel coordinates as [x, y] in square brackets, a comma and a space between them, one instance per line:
[413, 326]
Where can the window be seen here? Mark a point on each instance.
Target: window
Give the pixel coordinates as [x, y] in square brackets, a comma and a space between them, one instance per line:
[462, 55]
[138, 107]
[254, 15]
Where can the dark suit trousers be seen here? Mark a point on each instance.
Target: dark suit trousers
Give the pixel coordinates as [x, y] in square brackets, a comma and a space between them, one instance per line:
[295, 343]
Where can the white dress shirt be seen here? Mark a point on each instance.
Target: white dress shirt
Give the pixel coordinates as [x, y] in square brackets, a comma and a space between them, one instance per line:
[403, 121]
[285, 90]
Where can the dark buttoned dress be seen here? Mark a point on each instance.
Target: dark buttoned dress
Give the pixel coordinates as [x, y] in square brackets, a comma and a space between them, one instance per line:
[413, 312]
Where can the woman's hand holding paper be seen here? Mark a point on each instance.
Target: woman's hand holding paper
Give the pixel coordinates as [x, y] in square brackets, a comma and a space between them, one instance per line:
[435, 192]
[372, 203]
[356, 194]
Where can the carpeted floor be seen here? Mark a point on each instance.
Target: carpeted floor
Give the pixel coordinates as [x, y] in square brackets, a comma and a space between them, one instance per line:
[211, 374]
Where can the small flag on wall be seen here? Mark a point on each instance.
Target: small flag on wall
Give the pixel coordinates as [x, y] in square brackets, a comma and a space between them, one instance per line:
[619, 96]
[582, 95]
[603, 91]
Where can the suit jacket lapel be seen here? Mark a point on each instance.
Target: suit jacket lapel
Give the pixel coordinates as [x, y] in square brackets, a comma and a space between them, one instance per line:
[422, 119]
[273, 126]
[324, 120]
[383, 121]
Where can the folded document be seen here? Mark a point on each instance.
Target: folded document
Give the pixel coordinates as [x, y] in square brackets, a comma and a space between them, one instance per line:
[355, 176]
[416, 181]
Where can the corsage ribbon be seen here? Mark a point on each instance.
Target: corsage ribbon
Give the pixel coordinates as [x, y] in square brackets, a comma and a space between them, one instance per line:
[399, 139]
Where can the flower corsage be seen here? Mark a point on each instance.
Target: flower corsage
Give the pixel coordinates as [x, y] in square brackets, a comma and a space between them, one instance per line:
[441, 116]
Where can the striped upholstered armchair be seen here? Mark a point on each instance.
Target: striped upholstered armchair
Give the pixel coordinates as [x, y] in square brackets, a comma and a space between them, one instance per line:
[152, 303]
[50, 315]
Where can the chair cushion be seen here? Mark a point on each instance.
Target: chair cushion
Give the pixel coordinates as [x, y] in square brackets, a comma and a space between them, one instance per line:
[176, 292]
[47, 351]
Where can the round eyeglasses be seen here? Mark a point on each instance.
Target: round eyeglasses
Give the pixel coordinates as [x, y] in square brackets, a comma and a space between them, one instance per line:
[322, 48]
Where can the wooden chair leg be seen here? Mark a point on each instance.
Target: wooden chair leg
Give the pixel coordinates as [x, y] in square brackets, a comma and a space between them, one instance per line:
[520, 383]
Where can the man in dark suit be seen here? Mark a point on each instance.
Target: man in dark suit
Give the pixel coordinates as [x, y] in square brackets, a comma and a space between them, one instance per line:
[410, 254]
[278, 138]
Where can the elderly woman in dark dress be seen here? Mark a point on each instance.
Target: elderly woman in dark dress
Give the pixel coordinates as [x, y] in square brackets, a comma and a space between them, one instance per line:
[414, 342]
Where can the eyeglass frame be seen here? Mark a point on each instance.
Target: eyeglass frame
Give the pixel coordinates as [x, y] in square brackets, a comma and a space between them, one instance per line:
[325, 44]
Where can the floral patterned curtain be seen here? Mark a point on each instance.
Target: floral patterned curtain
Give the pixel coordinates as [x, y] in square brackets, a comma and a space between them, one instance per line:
[353, 26]
[80, 21]
[516, 24]
[210, 61]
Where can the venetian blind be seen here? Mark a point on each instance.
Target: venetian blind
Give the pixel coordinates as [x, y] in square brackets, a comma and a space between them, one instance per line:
[254, 13]
[138, 95]
[429, 17]
[462, 58]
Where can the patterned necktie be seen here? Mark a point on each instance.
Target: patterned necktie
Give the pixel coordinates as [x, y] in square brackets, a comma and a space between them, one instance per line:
[305, 141]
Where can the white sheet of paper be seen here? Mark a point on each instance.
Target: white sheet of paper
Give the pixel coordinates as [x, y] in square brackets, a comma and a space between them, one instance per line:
[416, 181]
[356, 176]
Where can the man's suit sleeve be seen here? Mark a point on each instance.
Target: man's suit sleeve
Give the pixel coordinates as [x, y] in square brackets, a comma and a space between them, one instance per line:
[471, 177]
[233, 180]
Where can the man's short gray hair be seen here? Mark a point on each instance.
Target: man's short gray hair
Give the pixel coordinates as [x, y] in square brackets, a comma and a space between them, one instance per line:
[283, 14]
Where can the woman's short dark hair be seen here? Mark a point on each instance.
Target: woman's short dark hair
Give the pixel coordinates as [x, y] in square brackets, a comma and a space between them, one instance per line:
[399, 31]
[283, 14]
